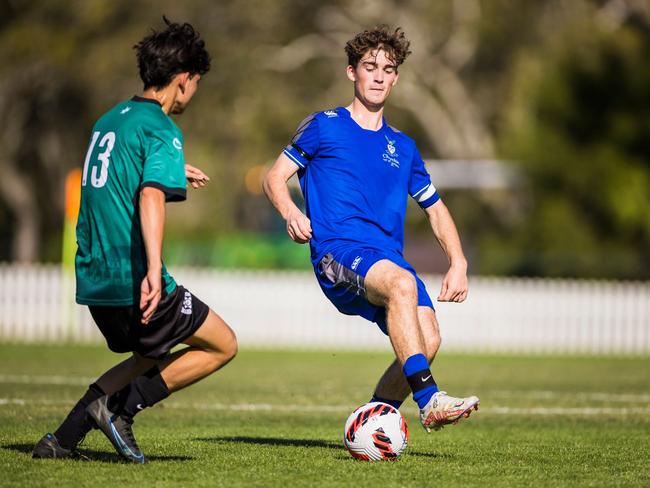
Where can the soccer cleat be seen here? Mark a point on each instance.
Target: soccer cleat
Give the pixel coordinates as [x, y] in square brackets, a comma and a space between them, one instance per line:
[443, 409]
[117, 428]
[49, 448]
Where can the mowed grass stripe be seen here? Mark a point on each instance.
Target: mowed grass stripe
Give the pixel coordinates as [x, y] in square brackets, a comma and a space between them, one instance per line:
[14, 379]
[266, 407]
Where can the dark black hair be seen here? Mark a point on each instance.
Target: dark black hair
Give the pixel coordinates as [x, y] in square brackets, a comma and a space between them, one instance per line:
[177, 49]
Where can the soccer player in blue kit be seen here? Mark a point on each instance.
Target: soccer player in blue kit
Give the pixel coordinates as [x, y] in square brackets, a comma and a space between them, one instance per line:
[355, 173]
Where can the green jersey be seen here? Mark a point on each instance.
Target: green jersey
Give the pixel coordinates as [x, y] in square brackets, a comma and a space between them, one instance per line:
[133, 145]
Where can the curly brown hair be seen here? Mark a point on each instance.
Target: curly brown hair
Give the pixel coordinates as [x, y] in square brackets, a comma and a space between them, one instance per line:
[394, 43]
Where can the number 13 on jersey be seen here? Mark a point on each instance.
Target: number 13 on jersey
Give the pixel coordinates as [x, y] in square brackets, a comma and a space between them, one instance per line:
[100, 165]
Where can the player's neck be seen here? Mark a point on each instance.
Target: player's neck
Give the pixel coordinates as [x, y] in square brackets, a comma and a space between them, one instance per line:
[165, 97]
[370, 118]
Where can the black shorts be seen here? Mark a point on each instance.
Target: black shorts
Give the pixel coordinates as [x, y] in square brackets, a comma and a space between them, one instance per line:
[178, 316]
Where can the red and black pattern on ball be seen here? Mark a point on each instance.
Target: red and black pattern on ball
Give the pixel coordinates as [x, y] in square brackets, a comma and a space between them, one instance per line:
[359, 455]
[383, 443]
[363, 417]
[404, 428]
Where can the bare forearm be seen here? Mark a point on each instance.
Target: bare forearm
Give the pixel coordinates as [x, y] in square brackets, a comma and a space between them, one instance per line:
[445, 231]
[277, 191]
[152, 222]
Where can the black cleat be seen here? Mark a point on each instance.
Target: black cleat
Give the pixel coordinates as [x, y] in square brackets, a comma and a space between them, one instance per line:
[117, 428]
[49, 448]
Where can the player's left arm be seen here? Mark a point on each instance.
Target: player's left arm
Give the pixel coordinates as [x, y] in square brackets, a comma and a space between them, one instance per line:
[454, 285]
[195, 177]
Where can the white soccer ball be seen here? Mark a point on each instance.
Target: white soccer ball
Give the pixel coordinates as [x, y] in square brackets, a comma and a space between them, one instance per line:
[376, 432]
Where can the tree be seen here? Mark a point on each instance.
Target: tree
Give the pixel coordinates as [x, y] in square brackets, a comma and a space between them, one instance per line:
[578, 128]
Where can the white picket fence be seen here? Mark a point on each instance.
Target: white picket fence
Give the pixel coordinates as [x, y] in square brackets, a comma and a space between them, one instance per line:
[287, 309]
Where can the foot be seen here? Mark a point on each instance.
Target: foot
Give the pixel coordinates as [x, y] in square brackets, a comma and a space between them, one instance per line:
[443, 409]
[117, 428]
[49, 448]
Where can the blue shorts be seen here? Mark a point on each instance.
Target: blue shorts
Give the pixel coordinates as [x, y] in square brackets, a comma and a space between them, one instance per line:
[341, 276]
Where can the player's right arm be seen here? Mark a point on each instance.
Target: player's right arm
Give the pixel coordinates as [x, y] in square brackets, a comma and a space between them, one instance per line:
[152, 224]
[277, 190]
[163, 180]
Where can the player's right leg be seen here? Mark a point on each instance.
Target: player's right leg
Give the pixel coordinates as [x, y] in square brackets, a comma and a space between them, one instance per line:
[441, 409]
[392, 387]
[396, 289]
[63, 442]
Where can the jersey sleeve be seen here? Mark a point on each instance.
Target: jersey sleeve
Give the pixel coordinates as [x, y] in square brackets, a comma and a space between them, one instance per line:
[420, 187]
[164, 165]
[304, 143]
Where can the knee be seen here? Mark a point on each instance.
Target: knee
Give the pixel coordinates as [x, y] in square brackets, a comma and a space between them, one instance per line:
[231, 347]
[228, 347]
[403, 285]
[222, 352]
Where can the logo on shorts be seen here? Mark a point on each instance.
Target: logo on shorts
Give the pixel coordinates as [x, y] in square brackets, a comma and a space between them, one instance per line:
[356, 262]
[187, 304]
[177, 143]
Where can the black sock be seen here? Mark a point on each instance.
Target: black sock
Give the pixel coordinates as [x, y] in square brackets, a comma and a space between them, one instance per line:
[144, 391]
[393, 403]
[77, 424]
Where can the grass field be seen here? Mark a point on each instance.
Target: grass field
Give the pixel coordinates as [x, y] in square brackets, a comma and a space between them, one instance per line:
[276, 418]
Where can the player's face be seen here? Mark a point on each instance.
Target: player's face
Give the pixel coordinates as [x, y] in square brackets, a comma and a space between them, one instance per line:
[185, 91]
[374, 78]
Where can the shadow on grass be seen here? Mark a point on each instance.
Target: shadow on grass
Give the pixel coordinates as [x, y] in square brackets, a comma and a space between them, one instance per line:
[92, 455]
[276, 441]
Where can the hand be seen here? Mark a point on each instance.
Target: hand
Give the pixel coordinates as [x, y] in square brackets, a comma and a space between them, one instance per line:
[454, 286]
[150, 294]
[195, 177]
[299, 227]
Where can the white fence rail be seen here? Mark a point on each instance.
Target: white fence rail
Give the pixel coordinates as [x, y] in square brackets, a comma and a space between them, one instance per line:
[287, 309]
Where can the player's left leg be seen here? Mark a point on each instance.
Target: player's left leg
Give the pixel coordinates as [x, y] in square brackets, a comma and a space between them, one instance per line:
[210, 348]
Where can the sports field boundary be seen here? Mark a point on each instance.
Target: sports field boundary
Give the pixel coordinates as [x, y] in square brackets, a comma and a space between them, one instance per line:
[281, 309]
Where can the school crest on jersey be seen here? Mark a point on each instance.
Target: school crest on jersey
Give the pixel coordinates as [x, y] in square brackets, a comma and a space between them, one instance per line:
[390, 155]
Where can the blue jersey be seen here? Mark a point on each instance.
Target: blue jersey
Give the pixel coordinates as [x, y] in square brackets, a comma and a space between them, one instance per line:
[355, 182]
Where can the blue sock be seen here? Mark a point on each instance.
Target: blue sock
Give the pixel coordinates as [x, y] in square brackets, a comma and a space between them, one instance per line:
[392, 403]
[420, 379]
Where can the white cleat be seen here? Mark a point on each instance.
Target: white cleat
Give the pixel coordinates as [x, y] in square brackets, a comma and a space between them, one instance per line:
[443, 409]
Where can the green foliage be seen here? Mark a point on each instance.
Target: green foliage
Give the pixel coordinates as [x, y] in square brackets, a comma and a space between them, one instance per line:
[578, 127]
[565, 98]
[252, 251]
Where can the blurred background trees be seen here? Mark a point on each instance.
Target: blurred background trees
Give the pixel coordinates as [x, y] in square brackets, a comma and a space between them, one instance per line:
[556, 89]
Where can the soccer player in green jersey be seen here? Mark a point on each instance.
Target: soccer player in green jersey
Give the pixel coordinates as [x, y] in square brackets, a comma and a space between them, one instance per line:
[134, 165]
